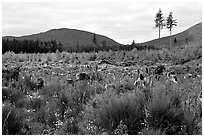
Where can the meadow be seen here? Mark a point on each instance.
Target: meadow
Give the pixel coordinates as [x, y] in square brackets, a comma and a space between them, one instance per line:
[108, 102]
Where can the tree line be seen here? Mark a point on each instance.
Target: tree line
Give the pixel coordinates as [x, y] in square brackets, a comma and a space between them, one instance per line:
[30, 46]
[36, 46]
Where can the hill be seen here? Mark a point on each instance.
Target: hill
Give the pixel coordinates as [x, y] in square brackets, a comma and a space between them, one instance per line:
[68, 37]
[191, 36]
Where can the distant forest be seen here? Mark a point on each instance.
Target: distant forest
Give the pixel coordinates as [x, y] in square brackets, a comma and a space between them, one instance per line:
[30, 46]
[36, 46]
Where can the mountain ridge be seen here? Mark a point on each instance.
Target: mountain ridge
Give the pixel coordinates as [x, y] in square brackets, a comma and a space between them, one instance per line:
[70, 37]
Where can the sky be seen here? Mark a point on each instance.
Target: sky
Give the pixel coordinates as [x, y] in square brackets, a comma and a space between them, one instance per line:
[123, 21]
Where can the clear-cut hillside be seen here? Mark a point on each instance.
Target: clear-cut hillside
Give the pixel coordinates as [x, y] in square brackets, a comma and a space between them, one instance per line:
[192, 36]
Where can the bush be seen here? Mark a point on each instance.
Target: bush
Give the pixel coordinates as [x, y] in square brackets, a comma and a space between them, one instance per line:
[88, 123]
[12, 120]
[23, 103]
[69, 127]
[50, 91]
[13, 95]
[39, 116]
[37, 103]
[166, 112]
[113, 113]
[36, 128]
[124, 85]
[51, 114]
[128, 108]
[164, 115]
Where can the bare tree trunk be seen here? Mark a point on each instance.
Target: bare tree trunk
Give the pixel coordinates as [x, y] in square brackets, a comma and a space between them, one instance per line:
[170, 39]
[159, 32]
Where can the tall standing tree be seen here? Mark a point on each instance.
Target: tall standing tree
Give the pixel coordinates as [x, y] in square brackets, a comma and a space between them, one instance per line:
[94, 41]
[133, 43]
[159, 21]
[170, 22]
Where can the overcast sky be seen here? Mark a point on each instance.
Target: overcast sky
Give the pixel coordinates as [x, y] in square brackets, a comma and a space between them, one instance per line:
[122, 21]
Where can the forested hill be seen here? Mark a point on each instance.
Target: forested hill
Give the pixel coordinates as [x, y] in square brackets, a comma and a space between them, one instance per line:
[68, 37]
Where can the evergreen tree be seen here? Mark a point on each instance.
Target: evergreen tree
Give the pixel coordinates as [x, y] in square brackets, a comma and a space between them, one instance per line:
[133, 42]
[175, 40]
[170, 22]
[159, 21]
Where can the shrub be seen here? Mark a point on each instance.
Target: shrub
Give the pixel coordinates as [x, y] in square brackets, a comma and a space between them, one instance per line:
[51, 90]
[63, 104]
[37, 103]
[128, 108]
[164, 115]
[88, 123]
[13, 95]
[12, 120]
[51, 114]
[23, 103]
[124, 85]
[39, 116]
[82, 92]
[69, 127]
[36, 128]
[166, 112]
[96, 88]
